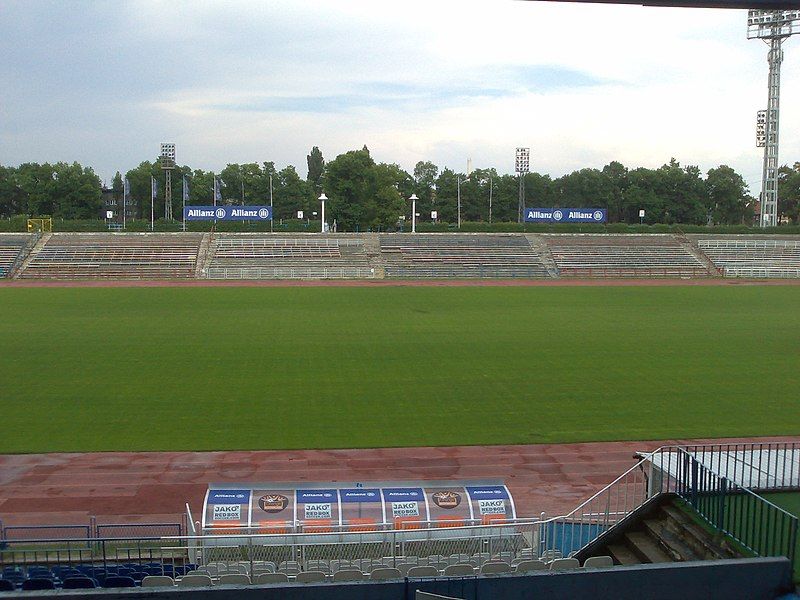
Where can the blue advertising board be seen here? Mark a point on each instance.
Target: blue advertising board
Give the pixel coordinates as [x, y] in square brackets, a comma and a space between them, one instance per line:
[565, 215]
[403, 495]
[360, 495]
[228, 496]
[227, 213]
[305, 496]
[487, 491]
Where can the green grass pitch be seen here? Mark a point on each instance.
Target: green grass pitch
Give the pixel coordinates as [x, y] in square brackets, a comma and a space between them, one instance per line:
[85, 369]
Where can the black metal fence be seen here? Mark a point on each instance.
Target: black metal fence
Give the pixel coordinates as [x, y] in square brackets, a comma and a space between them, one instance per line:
[759, 466]
[756, 523]
[91, 530]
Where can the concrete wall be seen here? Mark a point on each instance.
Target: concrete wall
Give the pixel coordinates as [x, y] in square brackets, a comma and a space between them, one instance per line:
[745, 579]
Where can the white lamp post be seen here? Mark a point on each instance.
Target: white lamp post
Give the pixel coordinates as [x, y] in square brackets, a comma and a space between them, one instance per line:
[459, 181]
[413, 199]
[322, 198]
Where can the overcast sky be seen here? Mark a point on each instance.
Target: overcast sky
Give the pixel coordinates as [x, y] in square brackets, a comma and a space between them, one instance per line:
[104, 83]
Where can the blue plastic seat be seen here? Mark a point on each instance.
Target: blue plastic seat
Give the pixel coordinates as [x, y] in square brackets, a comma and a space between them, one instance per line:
[119, 581]
[38, 583]
[79, 583]
[6, 585]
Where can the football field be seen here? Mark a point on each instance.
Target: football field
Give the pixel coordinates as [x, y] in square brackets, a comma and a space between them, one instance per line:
[170, 368]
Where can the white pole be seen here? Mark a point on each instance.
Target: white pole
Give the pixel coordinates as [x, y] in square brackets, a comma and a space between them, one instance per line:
[183, 202]
[490, 200]
[124, 200]
[323, 217]
[414, 216]
[152, 202]
[271, 205]
[458, 181]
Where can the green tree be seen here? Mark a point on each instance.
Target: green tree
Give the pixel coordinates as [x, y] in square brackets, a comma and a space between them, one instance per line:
[316, 169]
[789, 192]
[291, 194]
[13, 200]
[117, 187]
[727, 197]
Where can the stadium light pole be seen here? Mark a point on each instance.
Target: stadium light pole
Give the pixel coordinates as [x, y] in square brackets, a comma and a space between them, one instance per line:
[322, 198]
[522, 164]
[459, 181]
[774, 27]
[413, 199]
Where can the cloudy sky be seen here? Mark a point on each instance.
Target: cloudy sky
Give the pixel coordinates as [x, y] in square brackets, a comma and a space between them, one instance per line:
[105, 82]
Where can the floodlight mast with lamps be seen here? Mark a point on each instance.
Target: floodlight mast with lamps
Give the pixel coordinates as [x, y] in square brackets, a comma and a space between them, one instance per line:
[522, 165]
[167, 164]
[772, 26]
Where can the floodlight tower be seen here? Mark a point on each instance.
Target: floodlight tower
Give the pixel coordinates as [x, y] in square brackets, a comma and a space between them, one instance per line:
[168, 164]
[522, 165]
[772, 26]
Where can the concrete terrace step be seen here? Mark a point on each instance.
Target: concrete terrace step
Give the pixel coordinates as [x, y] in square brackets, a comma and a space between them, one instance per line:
[646, 548]
[692, 534]
[672, 542]
[623, 555]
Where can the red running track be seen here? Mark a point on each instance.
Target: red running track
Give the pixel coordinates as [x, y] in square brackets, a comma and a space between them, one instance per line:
[130, 487]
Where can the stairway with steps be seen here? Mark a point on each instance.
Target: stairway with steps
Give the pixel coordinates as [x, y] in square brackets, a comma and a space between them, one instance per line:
[663, 531]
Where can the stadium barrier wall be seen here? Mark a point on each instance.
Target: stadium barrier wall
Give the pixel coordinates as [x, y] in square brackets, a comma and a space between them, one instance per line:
[737, 579]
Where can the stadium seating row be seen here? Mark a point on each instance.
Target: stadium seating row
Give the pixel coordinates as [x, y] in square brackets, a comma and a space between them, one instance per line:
[115, 256]
[10, 248]
[204, 577]
[461, 256]
[353, 256]
[764, 258]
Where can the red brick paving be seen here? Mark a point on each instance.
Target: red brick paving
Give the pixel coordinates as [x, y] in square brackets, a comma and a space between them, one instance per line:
[153, 486]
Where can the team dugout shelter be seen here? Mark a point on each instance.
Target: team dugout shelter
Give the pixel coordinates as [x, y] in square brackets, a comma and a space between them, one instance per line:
[320, 508]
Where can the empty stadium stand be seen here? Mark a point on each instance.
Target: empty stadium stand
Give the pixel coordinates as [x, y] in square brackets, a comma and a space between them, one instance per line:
[461, 256]
[12, 246]
[254, 256]
[65, 256]
[602, 255]
[757, 258]
[114, 256]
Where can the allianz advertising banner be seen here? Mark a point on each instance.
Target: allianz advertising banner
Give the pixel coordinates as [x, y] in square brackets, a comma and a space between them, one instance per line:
[565, 215]
[227, 213]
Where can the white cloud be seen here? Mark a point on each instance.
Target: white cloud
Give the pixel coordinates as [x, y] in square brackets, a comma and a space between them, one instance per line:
[441, 81]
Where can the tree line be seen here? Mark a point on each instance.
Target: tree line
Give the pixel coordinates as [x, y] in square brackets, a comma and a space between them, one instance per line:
[365, 194]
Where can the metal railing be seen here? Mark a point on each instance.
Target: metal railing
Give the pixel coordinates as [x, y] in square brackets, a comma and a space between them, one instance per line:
[664, 272]
[24, 250]
[91, 531]
[759, 525]
[752, 521]
[775, 272]
[620, 498]
[290, 273]
[758, 466]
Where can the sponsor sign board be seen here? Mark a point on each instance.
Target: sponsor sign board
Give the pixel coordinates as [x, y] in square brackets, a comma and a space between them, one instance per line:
[317, 505]
[227, 512]
[361, 506]
[565, 215]
[403, 494]
[228, 506]
[492, 507]
[228, 496]
[405, 509]
[227, 213]
[490, 500]
[353, 495]
[318, 510]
